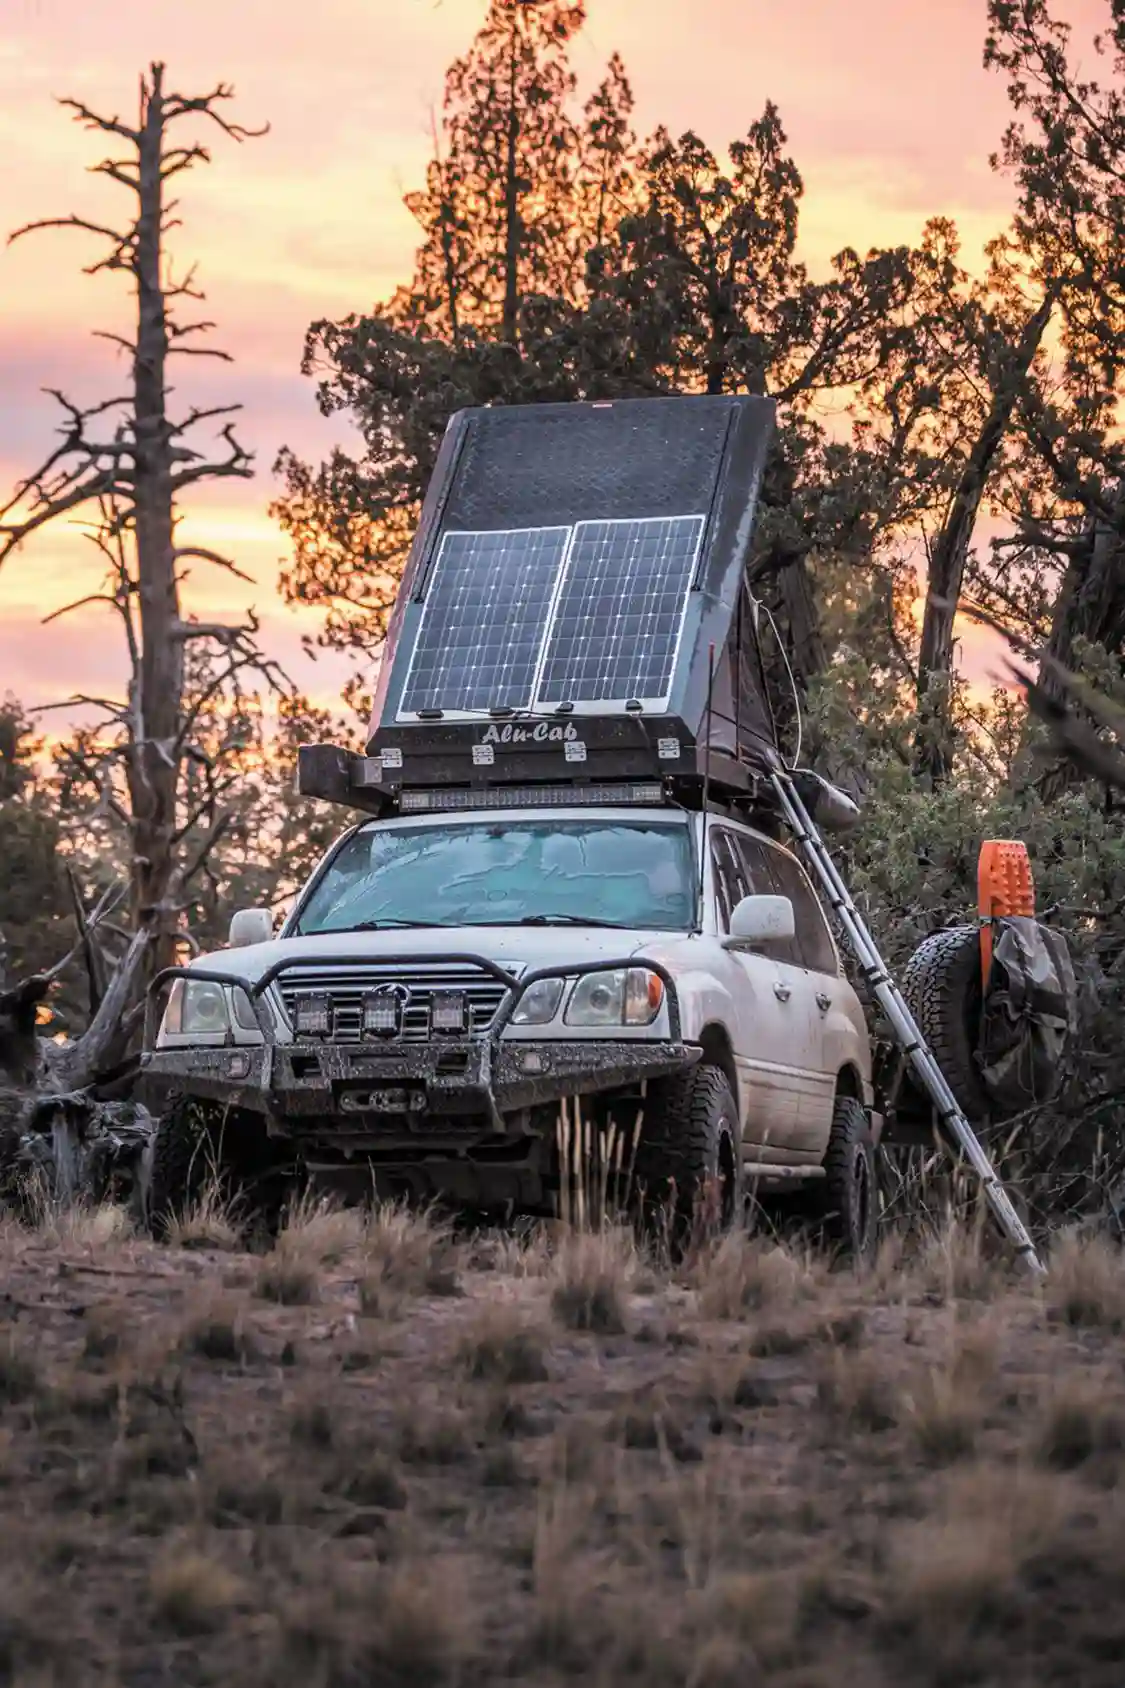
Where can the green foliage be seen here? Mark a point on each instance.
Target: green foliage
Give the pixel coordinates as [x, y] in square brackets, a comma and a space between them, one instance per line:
[36, 928]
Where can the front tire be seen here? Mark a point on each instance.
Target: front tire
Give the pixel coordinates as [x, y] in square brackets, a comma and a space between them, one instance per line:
[200, 1148]
[689, 1160]
[851, 1199]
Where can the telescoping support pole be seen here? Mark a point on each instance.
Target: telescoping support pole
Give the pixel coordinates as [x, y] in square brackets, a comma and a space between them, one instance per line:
[903, 1023]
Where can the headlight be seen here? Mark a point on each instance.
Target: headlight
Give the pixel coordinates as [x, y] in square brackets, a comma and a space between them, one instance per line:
[539, 1003]
[196, 1009]
[629, 996]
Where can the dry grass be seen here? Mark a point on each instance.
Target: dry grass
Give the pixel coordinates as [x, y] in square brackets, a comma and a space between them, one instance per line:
[92, 1230]
[1085, 1286]
[316, 1238]
[217, 1329]
[411, 1624]
[591, 1275]
[208, 1223]
[406, 1253]
[288, 1277]
[19, 1374]
[322, 1233]
[1082, 1425]
[503, 1343]
[741, 1275]
[958, 1584]
[959, 1262]
[192, 1593]
[861, 1388]
[946, 1403]
[831, 1481]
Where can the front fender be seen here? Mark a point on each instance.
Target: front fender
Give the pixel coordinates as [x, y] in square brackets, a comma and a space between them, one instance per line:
[703, 1002]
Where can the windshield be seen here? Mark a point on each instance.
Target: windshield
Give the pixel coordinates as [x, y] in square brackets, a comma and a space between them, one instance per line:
[499, 873]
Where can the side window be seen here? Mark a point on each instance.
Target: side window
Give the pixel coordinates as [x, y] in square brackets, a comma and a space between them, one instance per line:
[814, 940]
[758, 870]
[727, 871]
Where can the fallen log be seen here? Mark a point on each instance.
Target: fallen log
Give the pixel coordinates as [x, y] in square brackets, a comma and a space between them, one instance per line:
[60, 1140]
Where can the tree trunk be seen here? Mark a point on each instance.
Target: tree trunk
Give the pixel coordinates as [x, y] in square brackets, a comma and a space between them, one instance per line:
[807, 652]
[933, 748]
[1090, 607]
[153, 766]
[1091, 601]
[512, 230]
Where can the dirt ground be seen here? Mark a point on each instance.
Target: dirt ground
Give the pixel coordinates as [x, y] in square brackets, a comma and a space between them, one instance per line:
[381, 1455]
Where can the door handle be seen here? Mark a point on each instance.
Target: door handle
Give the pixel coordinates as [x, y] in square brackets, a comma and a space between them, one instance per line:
[782, 992]
[823, 1001]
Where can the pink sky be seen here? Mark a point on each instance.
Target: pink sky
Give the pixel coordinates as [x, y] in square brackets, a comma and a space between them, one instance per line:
[889, 114]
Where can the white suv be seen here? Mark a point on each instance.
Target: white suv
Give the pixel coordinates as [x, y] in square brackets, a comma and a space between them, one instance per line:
[446, 980]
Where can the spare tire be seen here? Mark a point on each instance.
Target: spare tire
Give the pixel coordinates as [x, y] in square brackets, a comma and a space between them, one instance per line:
[942, 987]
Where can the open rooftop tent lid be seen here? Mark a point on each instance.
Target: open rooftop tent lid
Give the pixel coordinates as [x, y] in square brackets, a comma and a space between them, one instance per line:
[574, 616]
[574, 567]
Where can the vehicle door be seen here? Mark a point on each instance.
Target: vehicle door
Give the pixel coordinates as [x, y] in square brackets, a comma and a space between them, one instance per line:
[814, 965]
[763, 865]
[764, 1021]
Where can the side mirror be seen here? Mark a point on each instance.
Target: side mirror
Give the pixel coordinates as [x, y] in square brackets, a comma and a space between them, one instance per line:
[250, 926]
[760, 920]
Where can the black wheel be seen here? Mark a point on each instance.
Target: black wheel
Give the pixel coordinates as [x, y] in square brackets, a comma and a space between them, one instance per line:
[689, 1165]
[200, 1147]
[850, 1188]
[942, 987]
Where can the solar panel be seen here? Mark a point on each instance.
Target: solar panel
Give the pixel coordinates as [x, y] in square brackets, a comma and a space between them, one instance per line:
[620, 611]
[481, 630]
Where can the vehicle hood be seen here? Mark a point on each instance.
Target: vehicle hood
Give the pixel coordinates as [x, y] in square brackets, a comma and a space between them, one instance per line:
[518, 948]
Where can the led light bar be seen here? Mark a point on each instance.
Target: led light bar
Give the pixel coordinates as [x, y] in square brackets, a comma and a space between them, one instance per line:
[531, 797]
[312, 1016]
[448, 1011]
[381, 1014]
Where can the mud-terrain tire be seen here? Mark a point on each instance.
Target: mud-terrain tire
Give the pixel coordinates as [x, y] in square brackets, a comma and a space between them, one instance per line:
[850, 1191]
[197, 1148]
[942, 987]
[690, 1142]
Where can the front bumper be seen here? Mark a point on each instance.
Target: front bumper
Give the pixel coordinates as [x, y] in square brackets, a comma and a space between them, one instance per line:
[340, 1088]
[346, 1089]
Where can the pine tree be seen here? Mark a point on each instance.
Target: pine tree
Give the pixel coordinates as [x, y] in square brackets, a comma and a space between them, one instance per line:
[521, 195]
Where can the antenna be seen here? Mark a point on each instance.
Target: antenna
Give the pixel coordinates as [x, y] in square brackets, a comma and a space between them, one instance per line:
[706, 784]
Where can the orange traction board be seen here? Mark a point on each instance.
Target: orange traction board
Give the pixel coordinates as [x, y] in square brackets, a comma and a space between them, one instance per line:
[1004, 886]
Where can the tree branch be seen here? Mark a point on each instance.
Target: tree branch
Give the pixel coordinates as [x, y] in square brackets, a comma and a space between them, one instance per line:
[211, 557]
[176, 106]
[123, 256]
[108, 125]
[239, 465]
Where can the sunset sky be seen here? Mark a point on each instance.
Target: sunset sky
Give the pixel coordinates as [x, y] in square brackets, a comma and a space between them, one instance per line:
[889, 114]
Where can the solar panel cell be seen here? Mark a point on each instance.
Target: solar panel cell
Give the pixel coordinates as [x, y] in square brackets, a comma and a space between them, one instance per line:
[481, 630]
[620, 611]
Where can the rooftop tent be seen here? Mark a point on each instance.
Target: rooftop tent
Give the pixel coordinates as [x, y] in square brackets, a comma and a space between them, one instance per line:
[573, 568]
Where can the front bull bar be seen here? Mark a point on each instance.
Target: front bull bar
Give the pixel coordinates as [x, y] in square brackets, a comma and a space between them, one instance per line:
[517, 988]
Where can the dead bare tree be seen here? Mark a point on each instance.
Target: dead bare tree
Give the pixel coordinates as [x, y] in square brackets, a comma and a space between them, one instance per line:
[933, 751]
[133, 462]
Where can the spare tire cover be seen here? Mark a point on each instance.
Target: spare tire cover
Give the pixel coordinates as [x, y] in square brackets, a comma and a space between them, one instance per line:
[1030, 1015]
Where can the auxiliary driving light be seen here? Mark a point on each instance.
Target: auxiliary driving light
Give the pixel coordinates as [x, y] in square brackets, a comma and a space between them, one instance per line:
[448, 1011]
[382, 1014]
[312, 1016]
